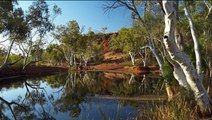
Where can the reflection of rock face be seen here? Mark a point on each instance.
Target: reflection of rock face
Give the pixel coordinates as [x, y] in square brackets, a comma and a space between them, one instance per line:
[114, 76]
[105, 85]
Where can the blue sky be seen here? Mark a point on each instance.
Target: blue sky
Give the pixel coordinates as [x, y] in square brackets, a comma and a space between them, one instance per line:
[89, 14]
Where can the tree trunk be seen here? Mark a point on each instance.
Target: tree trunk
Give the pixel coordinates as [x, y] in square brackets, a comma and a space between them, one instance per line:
[86, 62]
[16, 61]
[71, 58]
[209, 6]
[180, 76]
[5, 64]
[143, 56]
[74, 59]
[210, 69]
[85, 59]
[152, 47]
[81, 59]
[26, 57]
[132, 79]
[201, 96]
[132, 56]
[196, 45]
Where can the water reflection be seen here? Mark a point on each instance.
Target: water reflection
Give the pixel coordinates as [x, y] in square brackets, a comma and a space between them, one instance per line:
[74, 96]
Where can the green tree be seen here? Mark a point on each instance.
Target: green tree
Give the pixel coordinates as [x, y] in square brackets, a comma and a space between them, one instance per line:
[70, 38]
[54, 54]
[184, 71]
[13, 25]
[90, 48]
[128, 40]
[40, 21]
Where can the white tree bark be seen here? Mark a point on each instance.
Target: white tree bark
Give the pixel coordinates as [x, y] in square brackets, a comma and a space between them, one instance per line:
[132, 79]
[180, 76]
[74, 59]
[81, 59]
[71, 59]
[132, 56]
[179, 40]
[209, 6]
[27, 56]
[85, 59]
[152, 47]
[201, 96]
[8, 55]
[143, 56]
[196, 45]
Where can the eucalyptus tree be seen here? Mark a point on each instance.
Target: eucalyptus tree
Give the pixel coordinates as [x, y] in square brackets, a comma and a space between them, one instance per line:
[184, 71]
[209, 6]
[128, 41]
[36, 52]
[30, 104]
[74, 93]
[13, 26]
[40, 22]
[200, 23]
[90, 48]
[54, 54]
[182, 59]
[70, 38]
[22, 27]
[139, 10]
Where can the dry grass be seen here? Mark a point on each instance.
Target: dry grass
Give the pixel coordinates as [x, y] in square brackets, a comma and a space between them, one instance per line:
[181, 108]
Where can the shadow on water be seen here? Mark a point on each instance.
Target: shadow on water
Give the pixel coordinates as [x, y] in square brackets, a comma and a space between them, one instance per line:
[79, 95]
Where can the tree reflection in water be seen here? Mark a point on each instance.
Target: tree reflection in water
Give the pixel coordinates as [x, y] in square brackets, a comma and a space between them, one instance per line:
[30, 105]
[44, 98]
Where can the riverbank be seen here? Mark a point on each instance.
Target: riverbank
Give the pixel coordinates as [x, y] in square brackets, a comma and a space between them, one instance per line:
[32, 71]
[36, 71]
[137, 70]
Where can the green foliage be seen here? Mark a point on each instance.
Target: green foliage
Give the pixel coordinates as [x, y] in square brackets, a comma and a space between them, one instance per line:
[168, 72]
[70, 38]
[13, 58]
[54, 54]
[39, 16]
[36, 52]
[2, 55]
[12, 22]
[202, 26]
[74, 42]
[56, 81]
[97, 52]
[5, 8]
[128, 39]
[2, 58]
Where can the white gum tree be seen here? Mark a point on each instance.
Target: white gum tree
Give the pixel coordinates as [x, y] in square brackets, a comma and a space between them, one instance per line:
[188, 75]
[187, 69]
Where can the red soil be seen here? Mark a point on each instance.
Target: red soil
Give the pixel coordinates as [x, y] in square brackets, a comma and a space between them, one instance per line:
[112, 66]
[128, 69]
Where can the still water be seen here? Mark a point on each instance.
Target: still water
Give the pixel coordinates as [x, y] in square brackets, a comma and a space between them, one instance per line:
[77, 95]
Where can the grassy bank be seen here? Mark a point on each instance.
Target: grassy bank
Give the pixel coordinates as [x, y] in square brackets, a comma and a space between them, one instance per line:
[182, 107]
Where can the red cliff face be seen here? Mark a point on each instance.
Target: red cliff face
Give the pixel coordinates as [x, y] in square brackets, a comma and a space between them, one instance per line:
[105, 39]
[105, 46]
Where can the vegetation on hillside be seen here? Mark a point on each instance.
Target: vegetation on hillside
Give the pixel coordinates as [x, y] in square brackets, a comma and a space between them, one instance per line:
[180, 44]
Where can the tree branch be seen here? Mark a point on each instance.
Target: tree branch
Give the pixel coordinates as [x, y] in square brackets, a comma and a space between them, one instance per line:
[16, 61]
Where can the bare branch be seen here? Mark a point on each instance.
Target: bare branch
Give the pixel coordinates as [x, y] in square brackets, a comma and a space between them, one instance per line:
[16, 61]
[4, 40]
[9, 105]
[108, 7]
[209, 6]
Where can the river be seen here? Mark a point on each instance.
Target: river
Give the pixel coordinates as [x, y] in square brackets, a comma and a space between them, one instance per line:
[79, 95]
